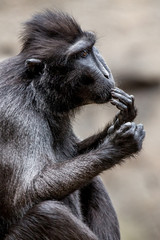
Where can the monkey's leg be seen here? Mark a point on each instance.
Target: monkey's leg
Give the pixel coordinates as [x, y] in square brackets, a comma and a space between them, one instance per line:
[125, 103]
[99, 212]
[53, 221]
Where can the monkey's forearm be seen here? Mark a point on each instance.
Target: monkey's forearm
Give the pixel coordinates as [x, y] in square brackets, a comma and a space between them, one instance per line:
[93, 141]
[63, 179]
[59, 181]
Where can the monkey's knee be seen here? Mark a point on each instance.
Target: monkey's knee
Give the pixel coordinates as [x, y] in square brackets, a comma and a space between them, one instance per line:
[50, 215]
[50, 220]
[48, 208]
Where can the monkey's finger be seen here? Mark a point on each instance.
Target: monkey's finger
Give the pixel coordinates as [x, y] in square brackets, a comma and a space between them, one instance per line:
[120, 91]
[140, 131]
[130, 131]
[127, 101]
[118, 104]
[125, 127]
[140, 135]
[111, 130]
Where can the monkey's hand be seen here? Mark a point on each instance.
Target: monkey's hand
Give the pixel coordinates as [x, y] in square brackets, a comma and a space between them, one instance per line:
[125, 103]
[125, 142]
[127, 113]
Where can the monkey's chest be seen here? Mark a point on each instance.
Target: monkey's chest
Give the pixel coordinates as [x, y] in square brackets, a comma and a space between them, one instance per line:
[64, 153]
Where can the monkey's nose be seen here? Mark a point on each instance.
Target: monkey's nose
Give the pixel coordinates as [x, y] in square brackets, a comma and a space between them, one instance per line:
[105, 73]
[106, 76]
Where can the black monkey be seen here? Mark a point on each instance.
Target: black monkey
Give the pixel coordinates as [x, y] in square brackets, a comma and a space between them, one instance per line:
[49, 188]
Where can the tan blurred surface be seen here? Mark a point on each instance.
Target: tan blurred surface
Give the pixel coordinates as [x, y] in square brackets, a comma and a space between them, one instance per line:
[129, 38]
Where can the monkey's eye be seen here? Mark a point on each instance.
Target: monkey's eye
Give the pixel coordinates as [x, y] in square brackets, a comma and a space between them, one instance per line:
[84, 53]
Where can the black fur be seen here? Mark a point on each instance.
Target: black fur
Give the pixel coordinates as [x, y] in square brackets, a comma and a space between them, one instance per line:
[49, 187]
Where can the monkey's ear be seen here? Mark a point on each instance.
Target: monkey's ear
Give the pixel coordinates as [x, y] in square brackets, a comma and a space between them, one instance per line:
[34, 67]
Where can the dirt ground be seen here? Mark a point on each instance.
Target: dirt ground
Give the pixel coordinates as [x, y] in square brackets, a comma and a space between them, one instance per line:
[128, 36]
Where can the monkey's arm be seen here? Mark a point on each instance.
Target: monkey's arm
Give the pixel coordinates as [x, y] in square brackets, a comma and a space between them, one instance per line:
[58, 180]
[127, 113]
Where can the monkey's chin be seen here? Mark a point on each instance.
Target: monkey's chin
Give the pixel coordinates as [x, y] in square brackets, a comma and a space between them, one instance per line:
[103, 98]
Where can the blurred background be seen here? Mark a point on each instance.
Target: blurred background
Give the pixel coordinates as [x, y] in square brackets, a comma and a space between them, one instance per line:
[129, 39]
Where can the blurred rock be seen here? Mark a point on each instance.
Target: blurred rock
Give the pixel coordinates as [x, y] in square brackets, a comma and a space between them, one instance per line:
[129, 34]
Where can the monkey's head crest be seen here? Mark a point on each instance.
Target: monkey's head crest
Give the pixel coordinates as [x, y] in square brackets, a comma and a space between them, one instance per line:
[49, 30]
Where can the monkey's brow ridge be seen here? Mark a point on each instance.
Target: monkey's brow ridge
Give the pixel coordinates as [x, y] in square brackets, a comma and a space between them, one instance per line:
[81, 44]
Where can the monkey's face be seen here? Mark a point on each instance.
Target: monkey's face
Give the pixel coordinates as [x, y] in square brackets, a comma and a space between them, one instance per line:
[82, 77]
[95, 78]
[91, 78]
[69, 71]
